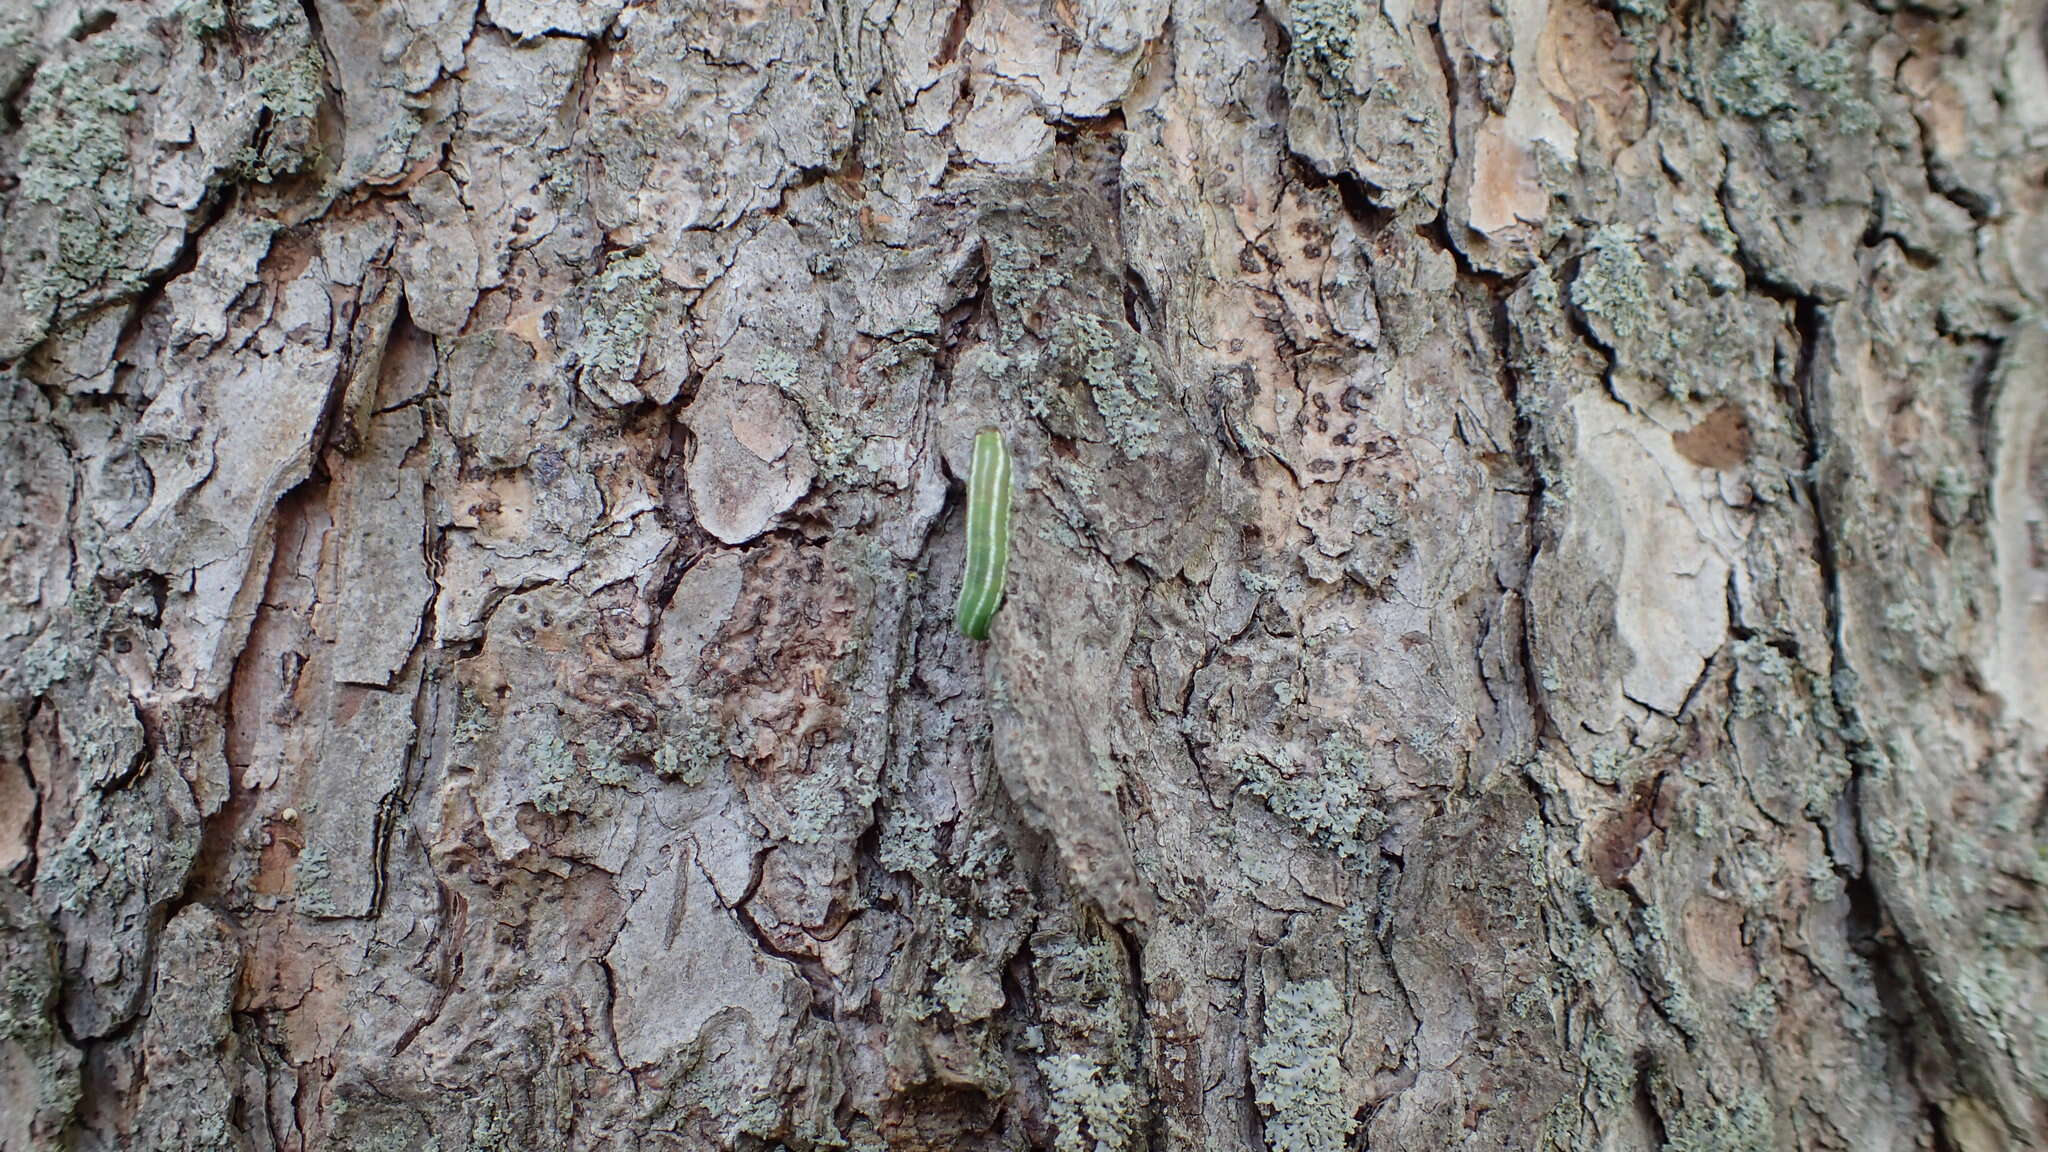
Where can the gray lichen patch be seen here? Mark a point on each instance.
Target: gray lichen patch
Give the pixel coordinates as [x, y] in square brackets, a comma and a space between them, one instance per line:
[1119, 377]
[83, 234]
[1695, 1122]
[1088, 1115]
[113, 862]
[618, 323]
[695, 747]
[1802, 177]
[1611, 288]
[1663, 312]
[1775, 72]
[1299, 1071]
[188, 1042]
[1368, 100]
[125, 134]
[77, 141]
[1087, 1016]
[291, 90]
[36, 1061]
[1332, 803]
[1324, 34]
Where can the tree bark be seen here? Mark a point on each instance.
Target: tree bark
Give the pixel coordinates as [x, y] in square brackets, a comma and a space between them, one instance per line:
[1527, 622]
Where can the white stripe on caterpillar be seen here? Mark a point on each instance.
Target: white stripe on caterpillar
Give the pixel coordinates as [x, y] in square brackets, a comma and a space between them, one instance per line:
[988, 534]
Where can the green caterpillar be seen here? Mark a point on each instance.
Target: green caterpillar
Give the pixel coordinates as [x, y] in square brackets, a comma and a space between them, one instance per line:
[988, 534]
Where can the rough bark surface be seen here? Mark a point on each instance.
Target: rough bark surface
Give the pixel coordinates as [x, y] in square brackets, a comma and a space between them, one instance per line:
[1528, 617]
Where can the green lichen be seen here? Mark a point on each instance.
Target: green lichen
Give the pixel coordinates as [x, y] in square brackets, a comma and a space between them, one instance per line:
[1258, 583]
[774, 366]
[495, 1129]
[1090, 1113]
[835, 450]
[1744, 1127]
[28, 1026]
[1086, 1024]
[1086, 977]
[1610, 1072]
[1324, 35]
[1828, 885]
[824, 804]
[1757, 1010]
[562, 177]
[571, 769]
[1117, 370]
[1791, 704]
[1612, 289]
[986, 856]
[49, 659]
[1298, 1069]
[1331, 805]
[1668, 984]
[1608, 765]
[623, 301]
[473, 721]
[1954, 498]
[1763, 674]
[371, 1125]
[1986, 987]
[1061, 536]
[74, 158]
[24, 1005]
[554, 766]
[695, 749]
[1561, 1127]
[204, 19]
[606, 765]
[909, 839]
[1774, 73]
[1359, 923]
[78, 133]
[294, 89]
[310, 887]
[1019, 280]
[962, 992]
[293, 92]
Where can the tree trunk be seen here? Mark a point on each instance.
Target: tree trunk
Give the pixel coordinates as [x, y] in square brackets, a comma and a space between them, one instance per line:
[1527, 622]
